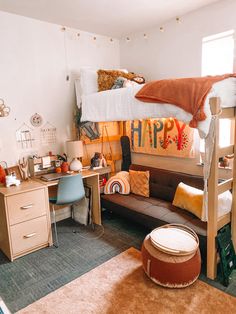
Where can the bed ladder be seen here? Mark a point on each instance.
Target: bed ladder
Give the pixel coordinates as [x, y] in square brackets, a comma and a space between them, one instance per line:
[215, 188]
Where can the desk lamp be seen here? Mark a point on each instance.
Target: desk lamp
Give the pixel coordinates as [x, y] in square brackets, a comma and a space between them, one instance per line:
[75, 150]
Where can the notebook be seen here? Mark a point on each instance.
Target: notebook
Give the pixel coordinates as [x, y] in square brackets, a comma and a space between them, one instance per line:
[53, 176]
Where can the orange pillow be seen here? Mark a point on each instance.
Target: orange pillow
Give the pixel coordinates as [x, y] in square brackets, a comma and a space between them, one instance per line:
[139, 182]
[106, 78]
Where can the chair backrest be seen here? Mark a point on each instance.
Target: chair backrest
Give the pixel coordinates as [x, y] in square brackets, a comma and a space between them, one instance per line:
[70, 189]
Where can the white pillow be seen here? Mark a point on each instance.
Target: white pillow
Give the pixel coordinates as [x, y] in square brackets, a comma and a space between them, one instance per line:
[224, 203]
[88, 81]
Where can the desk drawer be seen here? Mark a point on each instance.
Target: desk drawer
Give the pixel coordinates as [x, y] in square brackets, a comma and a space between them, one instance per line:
[28, 235]
[26, 206]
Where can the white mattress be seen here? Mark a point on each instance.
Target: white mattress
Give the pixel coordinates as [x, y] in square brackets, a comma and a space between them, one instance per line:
[121, 105]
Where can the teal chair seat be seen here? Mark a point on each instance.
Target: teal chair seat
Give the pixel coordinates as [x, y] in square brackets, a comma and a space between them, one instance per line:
[70, 190]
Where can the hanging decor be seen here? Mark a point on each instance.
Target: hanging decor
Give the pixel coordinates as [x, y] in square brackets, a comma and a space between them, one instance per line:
[36, 120]
[4, 110]
[48, 134]
[25, 137]
[63, 29]
[166, 137]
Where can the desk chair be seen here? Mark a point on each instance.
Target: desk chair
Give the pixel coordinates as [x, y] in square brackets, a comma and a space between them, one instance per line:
[70, 190]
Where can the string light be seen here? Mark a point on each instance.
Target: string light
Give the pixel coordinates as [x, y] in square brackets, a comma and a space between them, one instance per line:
[178, 20]
[145, 36]
[65, 52]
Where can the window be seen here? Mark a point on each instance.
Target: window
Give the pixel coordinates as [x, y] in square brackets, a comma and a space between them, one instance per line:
[218, 54]
[218, 58]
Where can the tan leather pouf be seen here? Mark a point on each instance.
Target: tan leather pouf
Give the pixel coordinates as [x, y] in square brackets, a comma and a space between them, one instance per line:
[171, 256]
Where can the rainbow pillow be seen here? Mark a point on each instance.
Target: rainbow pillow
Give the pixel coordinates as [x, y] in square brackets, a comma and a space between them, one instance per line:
[118, 183]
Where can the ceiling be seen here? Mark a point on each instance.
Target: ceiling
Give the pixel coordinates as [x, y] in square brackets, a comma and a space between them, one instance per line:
[115, 18]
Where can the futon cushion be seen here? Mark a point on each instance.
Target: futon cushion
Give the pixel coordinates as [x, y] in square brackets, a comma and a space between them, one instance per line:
[163, 183]
[139, 182]
[159, 211]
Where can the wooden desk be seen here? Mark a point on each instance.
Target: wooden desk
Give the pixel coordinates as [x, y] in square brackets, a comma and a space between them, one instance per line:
[90, 178]
[25, 224]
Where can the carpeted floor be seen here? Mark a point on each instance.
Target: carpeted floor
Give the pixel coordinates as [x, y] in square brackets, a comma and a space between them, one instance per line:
[120, 286]
[31, 277]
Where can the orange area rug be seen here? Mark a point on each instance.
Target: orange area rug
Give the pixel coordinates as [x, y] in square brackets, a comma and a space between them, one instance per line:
[120, 286]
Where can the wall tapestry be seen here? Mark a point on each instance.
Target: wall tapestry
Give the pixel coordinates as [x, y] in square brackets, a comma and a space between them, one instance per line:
[167, 137]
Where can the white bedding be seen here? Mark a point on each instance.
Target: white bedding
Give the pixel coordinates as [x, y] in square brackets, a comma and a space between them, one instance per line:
[121, 105]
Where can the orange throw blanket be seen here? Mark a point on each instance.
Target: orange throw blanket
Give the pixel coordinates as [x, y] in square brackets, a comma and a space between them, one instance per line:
[186, 93]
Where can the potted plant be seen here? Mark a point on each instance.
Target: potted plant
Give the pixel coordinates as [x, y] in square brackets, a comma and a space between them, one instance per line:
[64, 163]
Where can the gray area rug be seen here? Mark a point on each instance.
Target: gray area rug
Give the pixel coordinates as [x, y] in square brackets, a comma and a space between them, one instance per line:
[31, 277]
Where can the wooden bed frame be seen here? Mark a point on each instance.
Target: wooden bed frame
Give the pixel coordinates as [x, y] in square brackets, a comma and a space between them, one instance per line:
[215, 188]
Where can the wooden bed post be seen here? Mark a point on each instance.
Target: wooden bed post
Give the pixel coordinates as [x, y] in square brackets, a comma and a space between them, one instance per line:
[215, 188]
[233, 213]
[213, 196]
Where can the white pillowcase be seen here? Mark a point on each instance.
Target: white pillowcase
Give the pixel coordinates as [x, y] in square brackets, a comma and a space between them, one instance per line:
[224, 203]
[89, 78]
[88, 81]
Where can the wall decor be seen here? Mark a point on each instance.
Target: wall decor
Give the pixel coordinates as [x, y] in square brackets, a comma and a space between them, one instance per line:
[24, 168]
[36, 120]
[166, 137]
[4, 110]
[25, 136]
[48, 134]
[14, 170]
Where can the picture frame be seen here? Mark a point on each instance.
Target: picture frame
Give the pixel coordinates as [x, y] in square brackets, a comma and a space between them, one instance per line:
[16, 170]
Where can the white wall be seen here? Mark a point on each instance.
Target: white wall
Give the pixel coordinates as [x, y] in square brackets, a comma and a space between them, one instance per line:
[33, 77]
[175, 53]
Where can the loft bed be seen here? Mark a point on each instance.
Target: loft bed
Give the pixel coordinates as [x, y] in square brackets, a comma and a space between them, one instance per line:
[220, 103]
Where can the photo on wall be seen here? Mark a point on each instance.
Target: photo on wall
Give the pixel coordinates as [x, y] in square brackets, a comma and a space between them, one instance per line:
[165, 137]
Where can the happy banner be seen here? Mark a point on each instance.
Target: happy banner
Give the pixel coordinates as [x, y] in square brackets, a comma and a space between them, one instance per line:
[167, 137]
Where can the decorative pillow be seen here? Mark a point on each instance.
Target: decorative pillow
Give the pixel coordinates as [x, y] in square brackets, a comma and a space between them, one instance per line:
[191, 199]
[106, 78]
[118, 183]
[89, 80]
[139, 182]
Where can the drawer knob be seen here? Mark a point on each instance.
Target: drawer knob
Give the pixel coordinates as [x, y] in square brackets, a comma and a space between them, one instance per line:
[27, 236]
[27, 206]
